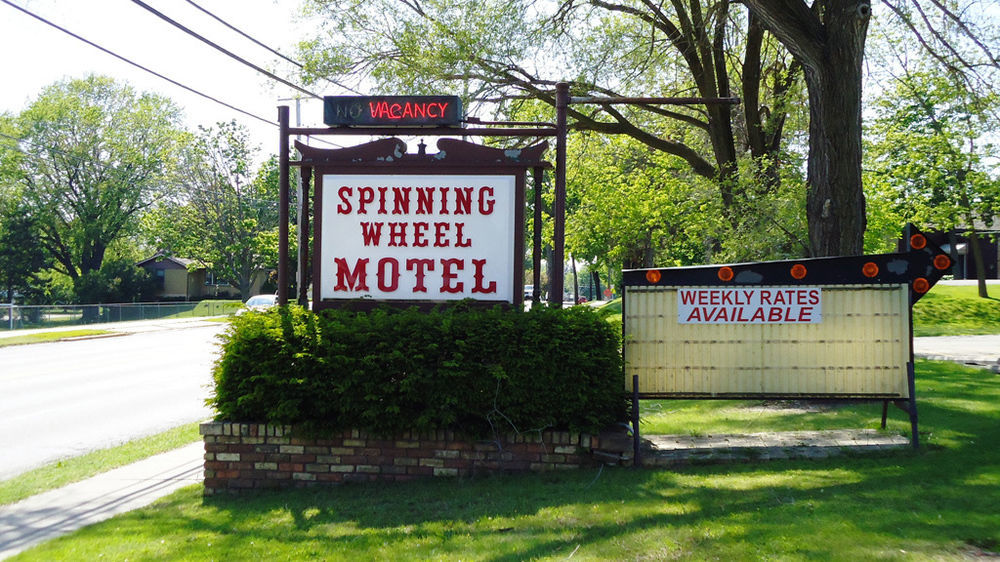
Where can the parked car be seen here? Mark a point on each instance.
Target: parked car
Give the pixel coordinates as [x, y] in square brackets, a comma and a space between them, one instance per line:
[258, 302]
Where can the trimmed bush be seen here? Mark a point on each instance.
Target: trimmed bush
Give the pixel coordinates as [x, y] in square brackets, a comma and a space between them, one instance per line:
[478, 371]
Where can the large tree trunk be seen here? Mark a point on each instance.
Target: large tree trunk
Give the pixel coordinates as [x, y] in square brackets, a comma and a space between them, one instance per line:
[830, 47]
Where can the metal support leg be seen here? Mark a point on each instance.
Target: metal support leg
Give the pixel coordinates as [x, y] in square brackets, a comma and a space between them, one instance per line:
[911, 383]
[636, 454]
[885, 412]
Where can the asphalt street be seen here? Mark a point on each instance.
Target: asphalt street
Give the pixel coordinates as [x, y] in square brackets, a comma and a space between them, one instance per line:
[67, 398]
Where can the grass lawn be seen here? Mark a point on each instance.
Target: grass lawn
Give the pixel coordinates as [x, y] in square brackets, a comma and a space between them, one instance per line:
[938, 503]
[71, 470]
[951, 310]
[50, 336]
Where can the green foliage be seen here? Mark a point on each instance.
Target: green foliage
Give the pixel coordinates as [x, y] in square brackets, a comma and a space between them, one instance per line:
[20, 259]
[118, 280]
[225, 215]
[90, 156]
[929, 159]
[630, 206]
[477, 371]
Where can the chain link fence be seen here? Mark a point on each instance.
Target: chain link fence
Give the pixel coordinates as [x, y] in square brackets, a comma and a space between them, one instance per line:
[17, 317]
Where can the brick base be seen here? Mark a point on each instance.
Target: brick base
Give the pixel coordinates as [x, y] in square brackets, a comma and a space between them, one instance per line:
[242, 456]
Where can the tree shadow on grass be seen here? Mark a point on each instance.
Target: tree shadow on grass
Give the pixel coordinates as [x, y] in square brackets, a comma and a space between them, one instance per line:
[937, 502]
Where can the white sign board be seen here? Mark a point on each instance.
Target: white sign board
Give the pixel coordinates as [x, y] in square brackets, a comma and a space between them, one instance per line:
[751, 305]
[417, 237]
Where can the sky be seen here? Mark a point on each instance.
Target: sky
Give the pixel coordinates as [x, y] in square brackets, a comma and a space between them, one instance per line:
[36, 55]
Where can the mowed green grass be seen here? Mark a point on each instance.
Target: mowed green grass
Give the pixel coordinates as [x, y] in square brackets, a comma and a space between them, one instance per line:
[939, 503]
[51, 336]
[74, 469]
[952, 310]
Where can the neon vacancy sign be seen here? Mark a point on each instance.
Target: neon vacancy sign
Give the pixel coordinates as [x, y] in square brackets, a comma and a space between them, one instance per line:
[392, 111]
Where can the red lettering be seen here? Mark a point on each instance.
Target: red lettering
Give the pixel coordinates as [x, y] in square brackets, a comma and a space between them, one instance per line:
[447, 276]
[381, 199]
[444, 200]
[486, 205]
[422, 266]
[393, 277]
[814, 296]
[460, 240]
[397, 233]
[478, 276]
[758, 315]
[765, 296]
[440, 235]
[805, 314]
[365, 196]
[394, 111]
[694, 316]
[351, 280]
[727, 297]
[371, 233]
[345, 205]
[774, 315]
[463, 200]
[419, 229]
[401, 200]
[425, 200]
[687, 296]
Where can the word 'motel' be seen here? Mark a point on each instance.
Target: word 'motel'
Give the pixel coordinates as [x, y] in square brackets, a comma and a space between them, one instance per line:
[413, 202]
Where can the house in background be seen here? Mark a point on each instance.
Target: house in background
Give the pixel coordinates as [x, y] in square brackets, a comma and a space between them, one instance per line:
[185, 279]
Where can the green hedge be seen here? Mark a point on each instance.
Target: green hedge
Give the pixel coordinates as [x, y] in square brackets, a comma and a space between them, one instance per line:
[472, 370]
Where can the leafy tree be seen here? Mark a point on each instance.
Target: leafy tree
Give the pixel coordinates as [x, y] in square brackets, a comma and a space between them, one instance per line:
[20, 259]
[502, 52]
[508, 55]
[92, 155]
[224, 215]
[630, 208]
[929, 156]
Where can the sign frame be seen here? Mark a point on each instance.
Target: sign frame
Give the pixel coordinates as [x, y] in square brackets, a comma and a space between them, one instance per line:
[392, 111]
[914, 271]
[389, 157]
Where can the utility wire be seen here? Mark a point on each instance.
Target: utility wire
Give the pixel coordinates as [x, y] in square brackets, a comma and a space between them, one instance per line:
[157, 74]
[221, 49]
[255, 41]
[135, 64]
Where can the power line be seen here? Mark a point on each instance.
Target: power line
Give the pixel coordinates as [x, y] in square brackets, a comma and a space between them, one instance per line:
[161, 76]
[135, 64]
[221, 49]
[256, 42]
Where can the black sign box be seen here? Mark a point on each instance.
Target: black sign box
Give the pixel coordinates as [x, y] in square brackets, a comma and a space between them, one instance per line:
[392, 111]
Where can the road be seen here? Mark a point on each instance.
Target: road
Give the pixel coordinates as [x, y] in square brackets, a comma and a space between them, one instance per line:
[67, 398]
